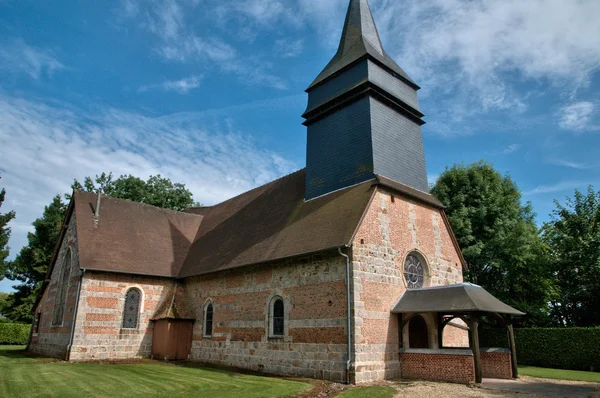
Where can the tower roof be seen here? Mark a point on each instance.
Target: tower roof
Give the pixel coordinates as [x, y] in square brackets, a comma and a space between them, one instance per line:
[359, 39]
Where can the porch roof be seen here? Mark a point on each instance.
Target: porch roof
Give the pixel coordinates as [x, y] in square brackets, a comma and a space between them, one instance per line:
[460, 298]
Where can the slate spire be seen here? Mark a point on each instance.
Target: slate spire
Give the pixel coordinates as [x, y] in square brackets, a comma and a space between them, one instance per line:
[359, 39]
[363, 115]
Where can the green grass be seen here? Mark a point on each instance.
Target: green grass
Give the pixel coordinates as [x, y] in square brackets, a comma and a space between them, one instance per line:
[21, 376]
[369, 392]
[560, 374]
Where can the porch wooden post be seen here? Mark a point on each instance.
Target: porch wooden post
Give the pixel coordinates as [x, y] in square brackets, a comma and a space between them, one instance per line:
[440, 327]
[513, 350]
[474, 333]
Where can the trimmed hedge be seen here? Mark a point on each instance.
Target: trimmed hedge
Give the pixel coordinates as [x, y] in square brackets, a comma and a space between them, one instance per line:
[14, 333]
[560, 348]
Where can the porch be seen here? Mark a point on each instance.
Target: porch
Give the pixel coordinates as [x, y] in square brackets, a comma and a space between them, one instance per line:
[423, 316]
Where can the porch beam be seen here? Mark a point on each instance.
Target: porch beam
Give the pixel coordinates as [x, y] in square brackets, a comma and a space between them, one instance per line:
[513, 350]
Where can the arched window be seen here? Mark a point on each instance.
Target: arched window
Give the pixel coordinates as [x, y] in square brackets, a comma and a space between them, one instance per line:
[415, 271]
[131, 311]
[277, 317]
[61, 293]
[208, 319]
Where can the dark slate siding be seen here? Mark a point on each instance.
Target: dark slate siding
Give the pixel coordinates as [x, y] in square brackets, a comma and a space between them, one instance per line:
[335, 87]
[393, 85]
[397, 147]
[339, 150]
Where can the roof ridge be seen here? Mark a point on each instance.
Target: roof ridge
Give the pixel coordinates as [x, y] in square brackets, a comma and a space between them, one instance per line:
[163, 209]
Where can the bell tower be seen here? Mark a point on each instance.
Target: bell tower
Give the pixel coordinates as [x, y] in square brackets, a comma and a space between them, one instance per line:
[363, 117]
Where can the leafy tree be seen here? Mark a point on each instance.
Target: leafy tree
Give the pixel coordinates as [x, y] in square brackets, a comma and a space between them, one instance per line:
[157, 191]
[4, 234]
[573, 236]
[498, 237]
[31, 265]
[3, 304]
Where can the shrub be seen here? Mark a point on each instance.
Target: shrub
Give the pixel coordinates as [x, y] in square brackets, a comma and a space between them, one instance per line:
[14, 333]
[561, 348]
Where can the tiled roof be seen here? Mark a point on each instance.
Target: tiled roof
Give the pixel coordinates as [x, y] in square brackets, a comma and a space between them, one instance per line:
[132, 237]
[274, 222]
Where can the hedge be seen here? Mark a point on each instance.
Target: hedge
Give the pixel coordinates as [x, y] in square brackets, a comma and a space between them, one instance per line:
[560, 348]
[14, 333]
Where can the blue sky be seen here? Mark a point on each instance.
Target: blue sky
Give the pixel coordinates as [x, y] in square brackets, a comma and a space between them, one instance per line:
[210, 92]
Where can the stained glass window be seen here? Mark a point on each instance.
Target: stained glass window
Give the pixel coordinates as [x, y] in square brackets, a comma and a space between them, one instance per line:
[414, 272]
[278, 317]
[61, 293]
[208, 320]
[131, 312]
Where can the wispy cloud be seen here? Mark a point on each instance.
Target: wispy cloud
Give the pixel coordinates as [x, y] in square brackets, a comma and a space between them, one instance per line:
[577, 117]
[61, 143]
[179, 41]
[17, 57]
[287, 48]
[571, 164]
[182, 86]
[558, 187]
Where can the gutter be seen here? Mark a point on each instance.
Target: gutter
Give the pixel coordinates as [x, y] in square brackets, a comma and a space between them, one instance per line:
[348, 325]
[75, 311]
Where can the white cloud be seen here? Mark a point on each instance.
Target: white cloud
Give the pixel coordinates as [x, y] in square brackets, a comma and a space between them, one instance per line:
[179, 41]
[182, 86]
[559, 187]
[287, 48]
[571, 164]
[577, 116]
[43, 148]
[18, 57]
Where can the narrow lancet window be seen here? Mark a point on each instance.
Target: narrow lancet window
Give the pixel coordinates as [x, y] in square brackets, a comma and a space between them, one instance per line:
[131, 312]
[278, 318]
[208, 320]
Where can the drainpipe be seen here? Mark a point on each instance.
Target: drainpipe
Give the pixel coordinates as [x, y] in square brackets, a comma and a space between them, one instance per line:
[349, 314]
[74, 316]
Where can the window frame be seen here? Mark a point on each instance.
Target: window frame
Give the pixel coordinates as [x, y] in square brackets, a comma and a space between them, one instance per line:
[424, 263]
[139, 308]
[272, 335]
[209, 304]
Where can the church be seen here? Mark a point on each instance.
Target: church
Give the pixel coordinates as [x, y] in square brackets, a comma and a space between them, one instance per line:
[347, 270]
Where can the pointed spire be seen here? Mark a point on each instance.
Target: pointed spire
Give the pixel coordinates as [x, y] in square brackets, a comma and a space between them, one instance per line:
[359, 38]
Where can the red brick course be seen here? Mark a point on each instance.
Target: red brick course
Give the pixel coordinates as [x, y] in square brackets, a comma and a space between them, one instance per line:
[102, 302]
[100, 317]
[496, 364]
[438, 367]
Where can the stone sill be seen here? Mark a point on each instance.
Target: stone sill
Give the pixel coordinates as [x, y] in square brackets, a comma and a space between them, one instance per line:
[443, 351]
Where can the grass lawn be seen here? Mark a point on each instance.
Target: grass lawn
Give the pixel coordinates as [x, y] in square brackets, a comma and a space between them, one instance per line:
[369, 392]
[31, 377]
[559, 374]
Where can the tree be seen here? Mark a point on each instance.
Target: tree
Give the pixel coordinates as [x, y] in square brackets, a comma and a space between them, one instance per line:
[498, 237]
[31, 264]
[157, 191]
[4, 234]
[573, 236]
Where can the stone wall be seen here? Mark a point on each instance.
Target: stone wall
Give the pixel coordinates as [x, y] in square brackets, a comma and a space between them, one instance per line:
[495, 363]
[98, 330]
[393, 227]
[314, 293]
[455, 366]
[52, 340]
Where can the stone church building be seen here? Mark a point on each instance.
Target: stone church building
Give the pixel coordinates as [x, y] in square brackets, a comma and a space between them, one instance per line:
[346, 270]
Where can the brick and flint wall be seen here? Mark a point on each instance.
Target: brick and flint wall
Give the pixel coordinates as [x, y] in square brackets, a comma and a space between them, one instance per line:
[98, 331]
[314, 293]
[52, 340]
[393, 227]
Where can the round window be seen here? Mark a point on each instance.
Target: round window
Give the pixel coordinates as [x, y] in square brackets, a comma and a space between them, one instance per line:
[414, 272]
